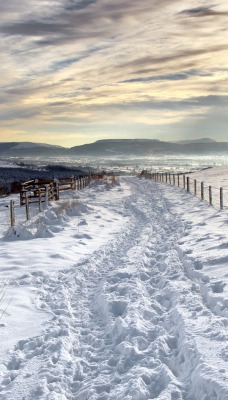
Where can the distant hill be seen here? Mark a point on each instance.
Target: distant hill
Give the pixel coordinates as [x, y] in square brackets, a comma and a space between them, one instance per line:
[202, 140]
[19, 149]
[116, 148]
[147, 147]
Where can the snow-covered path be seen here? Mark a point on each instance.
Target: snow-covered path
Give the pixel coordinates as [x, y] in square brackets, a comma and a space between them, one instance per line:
[135, 318]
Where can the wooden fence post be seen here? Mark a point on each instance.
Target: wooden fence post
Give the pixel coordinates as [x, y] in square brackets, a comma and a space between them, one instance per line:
[72, 182]
[27, 206]
[51, 191]
[46, 194]
[210, 195]
[188, 184]
[174, 181]
[40, 205]
[178, 180]
[202, 191]
[184, 181]
[12, 213]
[221, 198]
[56, 183]
[195, 187]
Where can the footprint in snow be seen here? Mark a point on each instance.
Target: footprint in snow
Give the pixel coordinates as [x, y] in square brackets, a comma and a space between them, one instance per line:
[82, 236]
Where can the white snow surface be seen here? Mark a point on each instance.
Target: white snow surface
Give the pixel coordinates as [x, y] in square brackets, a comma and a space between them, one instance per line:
[117, 292]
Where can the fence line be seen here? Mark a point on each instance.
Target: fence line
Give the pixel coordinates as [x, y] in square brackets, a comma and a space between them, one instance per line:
[38, 191]
[190, 185]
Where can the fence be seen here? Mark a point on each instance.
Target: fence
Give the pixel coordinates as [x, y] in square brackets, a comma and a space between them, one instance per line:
[199, 189]
[38, 191]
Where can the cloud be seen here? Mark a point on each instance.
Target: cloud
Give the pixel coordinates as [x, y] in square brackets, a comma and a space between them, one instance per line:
[168, 77]
[79, 62]
[149, 62]
[202, 12]
[79, 5]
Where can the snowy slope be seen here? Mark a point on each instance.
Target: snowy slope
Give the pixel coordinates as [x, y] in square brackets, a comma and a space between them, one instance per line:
[119, 292]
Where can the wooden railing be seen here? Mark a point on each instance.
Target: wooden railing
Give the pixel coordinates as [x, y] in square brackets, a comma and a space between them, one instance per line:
[43, 190]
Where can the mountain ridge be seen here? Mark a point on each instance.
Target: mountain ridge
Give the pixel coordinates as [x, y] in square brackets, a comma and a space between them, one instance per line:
[115, 147]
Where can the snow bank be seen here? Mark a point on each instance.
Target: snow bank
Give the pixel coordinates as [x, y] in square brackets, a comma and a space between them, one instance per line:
[49, 222]
[142, 316]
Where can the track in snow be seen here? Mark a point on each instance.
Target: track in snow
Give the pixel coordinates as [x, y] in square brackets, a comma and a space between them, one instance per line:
[127, 322]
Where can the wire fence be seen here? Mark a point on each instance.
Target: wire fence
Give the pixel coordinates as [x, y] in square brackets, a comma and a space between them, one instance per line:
[214, 196]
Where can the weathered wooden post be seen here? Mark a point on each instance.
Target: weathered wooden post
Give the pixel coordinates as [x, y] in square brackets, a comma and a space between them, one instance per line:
[22, 195]
[188, 184]
[166, 177]
[46, 194]
[202, 190]
[184, 181]
[40, 205]
[210, 195]
[178, 180]
[221, 198]
[169, 178]
[27, 206]
[174, 181]
[195, 187]
[72, 183]
[51, 192]
[12, 213]
[56, 185]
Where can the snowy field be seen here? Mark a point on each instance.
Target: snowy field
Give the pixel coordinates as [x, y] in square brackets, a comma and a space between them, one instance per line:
[117, 292]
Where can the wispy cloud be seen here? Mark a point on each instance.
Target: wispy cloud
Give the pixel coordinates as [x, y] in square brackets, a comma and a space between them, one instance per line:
[75, 63]
[203, 12]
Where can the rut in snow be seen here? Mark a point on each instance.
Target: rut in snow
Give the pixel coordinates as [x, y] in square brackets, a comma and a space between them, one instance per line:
[122, 320]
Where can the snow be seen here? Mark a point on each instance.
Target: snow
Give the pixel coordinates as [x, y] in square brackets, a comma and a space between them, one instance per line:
[116, 292]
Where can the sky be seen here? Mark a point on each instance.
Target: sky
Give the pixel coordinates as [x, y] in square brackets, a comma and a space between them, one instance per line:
[77, 71]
